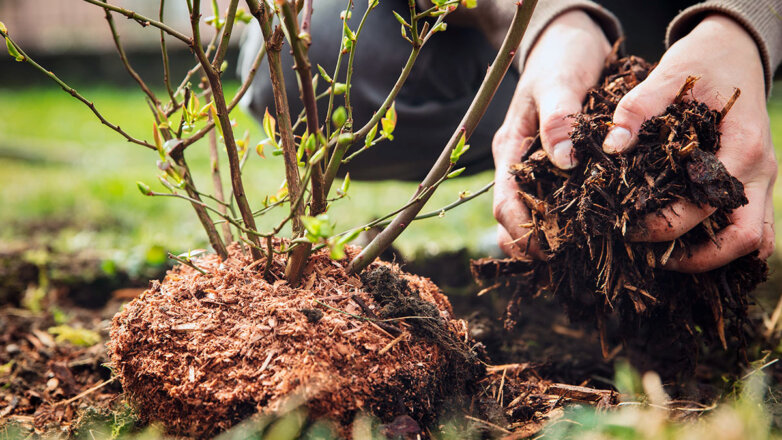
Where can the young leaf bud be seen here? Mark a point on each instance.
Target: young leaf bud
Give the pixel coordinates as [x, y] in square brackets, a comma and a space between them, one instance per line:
[324, 74]
[339, 117]
[144, 188]
[456, 173]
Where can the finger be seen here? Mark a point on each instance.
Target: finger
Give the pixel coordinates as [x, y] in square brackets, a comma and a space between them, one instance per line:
[769, 234]
[511, 214]
[745, 235]
[505, 241]
[670, 222]
[556, 106]
[647, 99]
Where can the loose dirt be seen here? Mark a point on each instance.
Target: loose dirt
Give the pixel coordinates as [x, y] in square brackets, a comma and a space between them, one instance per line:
[581, 218]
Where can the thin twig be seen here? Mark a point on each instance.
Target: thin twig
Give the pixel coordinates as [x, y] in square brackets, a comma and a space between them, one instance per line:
[440, 169]
[124, 58]
[70, 90]
[143, 21]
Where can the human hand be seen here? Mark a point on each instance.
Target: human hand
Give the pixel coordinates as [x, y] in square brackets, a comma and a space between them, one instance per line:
[565, 62]
[724, 56]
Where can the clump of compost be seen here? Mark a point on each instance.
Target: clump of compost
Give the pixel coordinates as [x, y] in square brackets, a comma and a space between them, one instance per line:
[582, 217]
[202, 351]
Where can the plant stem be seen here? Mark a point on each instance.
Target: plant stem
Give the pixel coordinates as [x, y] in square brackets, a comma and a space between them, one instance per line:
[143, 21]
[274, 39]
[70, 90]
[222, 49]
[239, 94]
[335, 76]
[217, 181]
[339, 151]
[164, 52]
[199, 206]
[215, 84]
[440, 169]
[303, 69]
[124, 58]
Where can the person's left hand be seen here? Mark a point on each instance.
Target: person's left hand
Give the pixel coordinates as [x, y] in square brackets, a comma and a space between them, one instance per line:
[724, 56]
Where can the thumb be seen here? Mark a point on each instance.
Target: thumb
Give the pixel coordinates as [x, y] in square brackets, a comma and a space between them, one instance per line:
[647, 99]
[556, 107]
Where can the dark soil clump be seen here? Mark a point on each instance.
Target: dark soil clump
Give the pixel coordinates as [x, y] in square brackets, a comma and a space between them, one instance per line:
[202, 352]
[582, 218]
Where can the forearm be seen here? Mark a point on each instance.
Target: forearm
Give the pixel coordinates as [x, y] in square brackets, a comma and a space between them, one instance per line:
[493, 17]
[762, 19]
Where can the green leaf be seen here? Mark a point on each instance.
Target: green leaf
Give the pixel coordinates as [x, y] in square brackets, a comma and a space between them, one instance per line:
[345, 184]
[324, 74]
[347, 44]
[144, 188]
[318, 156]
[270, 127]
[337, 250]
[348, 33]
[81, 337]
[350, 237]
[219, 127]
[401, 20]
[440, 28]
[389, 121]
[339, 117]
[469, 4]
[158, 141]
[243, 16]
[13, 51]
[456, 173]
[259, 150]
[370, 136]
[7, 368]
[459, 149]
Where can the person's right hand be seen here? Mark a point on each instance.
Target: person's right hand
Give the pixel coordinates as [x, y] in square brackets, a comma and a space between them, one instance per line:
[564, 63]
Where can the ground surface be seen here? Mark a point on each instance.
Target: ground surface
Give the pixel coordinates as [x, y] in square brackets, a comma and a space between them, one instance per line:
[61, 192]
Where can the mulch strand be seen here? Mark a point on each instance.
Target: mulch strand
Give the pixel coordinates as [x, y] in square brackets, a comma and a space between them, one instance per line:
[582, 220]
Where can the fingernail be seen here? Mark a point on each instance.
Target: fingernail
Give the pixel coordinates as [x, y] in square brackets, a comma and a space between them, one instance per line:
[562, 155]
[617, 140]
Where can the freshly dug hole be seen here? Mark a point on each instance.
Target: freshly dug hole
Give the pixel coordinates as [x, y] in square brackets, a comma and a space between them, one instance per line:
[202, 352]
[581, 219]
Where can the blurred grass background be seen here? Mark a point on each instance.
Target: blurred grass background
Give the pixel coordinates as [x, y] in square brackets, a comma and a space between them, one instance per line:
[60, 167]
[60, 170]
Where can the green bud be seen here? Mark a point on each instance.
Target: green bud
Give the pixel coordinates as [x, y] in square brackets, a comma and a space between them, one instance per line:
[440, 28]
[144, 188]
[346, 139]
[370, 136]
[324, 74]
[456, 173]
[339, 117]
[470, 4]
[401, 20]
[13, 51]
[340, 88]
[223, 66]
[318, 156]
[310, 143]
[345, 184]
[3, 29]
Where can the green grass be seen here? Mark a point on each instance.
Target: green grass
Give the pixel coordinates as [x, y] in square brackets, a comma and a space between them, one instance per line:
[79, 170]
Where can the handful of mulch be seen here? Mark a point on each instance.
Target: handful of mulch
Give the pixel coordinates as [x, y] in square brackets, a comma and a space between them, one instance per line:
[582, 217]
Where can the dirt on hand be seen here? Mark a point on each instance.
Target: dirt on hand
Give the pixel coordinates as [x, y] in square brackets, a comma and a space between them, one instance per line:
[582, 219]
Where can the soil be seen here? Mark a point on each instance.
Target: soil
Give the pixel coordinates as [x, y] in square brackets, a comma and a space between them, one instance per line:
[581, 219]
[202, 352]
